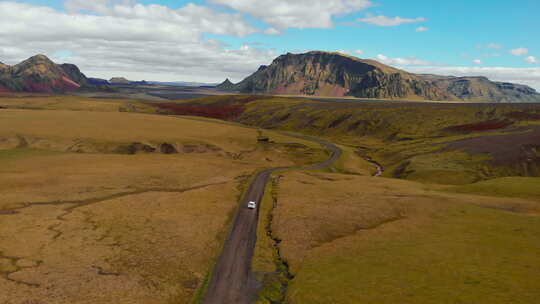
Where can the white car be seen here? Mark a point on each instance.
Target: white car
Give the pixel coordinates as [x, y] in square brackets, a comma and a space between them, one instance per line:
[252, 205]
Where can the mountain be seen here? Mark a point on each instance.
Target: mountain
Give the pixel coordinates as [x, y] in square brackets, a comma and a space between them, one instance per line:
[119, 80]
[75, 74]
[481, 89]
[40, 75]
[333, 74]
[226, 85]
[320, 73]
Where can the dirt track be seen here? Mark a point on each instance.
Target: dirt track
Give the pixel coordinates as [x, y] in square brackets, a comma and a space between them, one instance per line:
[231, 281]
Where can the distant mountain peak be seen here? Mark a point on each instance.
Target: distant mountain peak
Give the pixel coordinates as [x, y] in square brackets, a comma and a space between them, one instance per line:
[226, 85]
[37, 59]
[119, 80]
[40, 74]
[321, 73]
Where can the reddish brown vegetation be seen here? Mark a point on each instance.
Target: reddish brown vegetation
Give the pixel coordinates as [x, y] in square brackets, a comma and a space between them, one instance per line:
[523, 116]
[506, 150]
[481, 126]
[211, 111]
[225, 109]
[4, 89]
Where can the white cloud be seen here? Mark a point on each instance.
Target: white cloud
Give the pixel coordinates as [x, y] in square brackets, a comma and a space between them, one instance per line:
[422, 29]
[477, 61]
[494, 46]
[150, 42]
[298, 13]
[527, 76]
[387, 21]
[359, 52]
[402, 61]
[531, 59]
[96, 6]
[519, 51]
[272, 31]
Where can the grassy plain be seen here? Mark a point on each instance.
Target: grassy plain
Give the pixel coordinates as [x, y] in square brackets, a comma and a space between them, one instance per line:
[351, 238]
[520, 187]
[354, 239]
[75, 103]
[101, 205]
[110, 202]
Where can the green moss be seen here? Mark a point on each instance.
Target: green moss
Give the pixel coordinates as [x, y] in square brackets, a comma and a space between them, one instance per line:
[264, 256]
[453, 168]
[267, 264]
[522, 187]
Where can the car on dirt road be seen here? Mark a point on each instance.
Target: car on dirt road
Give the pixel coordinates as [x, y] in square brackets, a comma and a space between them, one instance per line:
[252, 205]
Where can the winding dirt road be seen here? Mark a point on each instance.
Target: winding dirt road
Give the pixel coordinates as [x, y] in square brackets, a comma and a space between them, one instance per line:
[231, 281]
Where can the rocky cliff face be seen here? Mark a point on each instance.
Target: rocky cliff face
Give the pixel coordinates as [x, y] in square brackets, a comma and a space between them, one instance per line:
[333, 74]
[482, 89]
[40, 74]
[74, 74]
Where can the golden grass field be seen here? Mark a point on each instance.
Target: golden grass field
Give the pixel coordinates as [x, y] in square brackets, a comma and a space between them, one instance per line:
[86, 218]
[94, 209]
[359, 239]
[74, 103]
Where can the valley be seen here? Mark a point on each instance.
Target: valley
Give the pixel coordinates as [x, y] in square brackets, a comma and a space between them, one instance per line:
[111, 181]
[354, 194]
[109, 204]
[269, 152]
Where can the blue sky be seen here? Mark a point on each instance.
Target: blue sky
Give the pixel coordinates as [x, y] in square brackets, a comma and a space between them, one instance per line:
[459, 31]
[494, 38]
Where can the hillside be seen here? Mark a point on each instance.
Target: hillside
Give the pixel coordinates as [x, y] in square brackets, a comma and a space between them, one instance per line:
[448, 143]
[226, 85]
[39, 74]
[110, 189]
[481, 89]
[119, 80]
[333, 74]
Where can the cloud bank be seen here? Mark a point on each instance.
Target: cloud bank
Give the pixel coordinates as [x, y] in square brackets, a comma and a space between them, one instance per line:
[298, 13]
[125, 38]
[133, 40]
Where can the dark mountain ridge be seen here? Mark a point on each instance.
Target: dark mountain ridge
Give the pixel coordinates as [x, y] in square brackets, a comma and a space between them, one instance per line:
[320, 73]
[480, 88]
